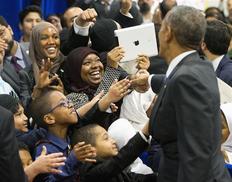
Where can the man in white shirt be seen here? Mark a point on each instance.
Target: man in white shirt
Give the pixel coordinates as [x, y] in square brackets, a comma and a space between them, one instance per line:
[215, 47]
[185, 119]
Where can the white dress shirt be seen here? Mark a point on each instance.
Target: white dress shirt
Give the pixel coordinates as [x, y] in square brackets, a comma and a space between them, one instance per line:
[216, 62]
[5, 88]
[173, 64]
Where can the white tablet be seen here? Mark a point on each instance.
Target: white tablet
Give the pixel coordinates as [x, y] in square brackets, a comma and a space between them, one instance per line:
[136, 40]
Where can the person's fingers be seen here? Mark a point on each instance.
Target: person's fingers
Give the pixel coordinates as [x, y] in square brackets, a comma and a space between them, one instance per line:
[54, 171]
[90, 160]
[87, 15]
[55, 155]
[56, 164]
[92, 13]
[44, 150]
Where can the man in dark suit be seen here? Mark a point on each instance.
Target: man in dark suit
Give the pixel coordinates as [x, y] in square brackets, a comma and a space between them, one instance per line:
[15, 57]
[185, 120]
[215, 47]
[10, 165]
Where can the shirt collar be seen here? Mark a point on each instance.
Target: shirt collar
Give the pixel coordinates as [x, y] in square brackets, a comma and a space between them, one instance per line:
[63, 144]
[216, 62]
[176, 61]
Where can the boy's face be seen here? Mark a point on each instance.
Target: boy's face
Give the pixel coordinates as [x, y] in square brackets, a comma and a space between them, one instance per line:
[61, 109]
[25, 157]
[105, 146]
[20, 120]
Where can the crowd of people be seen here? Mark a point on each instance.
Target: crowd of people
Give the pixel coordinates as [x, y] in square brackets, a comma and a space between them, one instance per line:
[70, 112]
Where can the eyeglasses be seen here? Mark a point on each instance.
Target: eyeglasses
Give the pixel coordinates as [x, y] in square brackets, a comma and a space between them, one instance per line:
[63, 103]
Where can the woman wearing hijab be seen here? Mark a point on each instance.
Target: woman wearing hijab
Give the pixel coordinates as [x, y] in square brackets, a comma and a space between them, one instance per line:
[85, 75]
[44, 46]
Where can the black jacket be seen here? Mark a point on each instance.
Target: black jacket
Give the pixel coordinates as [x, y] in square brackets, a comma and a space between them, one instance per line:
[186, 122]
[111, 170]
[11, 169]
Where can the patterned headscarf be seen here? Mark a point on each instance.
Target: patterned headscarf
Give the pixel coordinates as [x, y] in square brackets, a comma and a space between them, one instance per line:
[36, 52]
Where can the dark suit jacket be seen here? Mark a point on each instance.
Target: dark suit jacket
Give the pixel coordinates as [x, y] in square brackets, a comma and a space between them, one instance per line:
[111, 170]
[10, 75]
[70, 40]
[186, 123]
[224, 70]
[10, 165]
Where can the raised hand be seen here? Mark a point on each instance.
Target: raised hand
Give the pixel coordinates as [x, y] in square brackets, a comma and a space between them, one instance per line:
[87, 16]
[140, 81]
[118, 90]
[114, 57]
[85, 152]
[45, 164]
[45, 78]
[49, 163]
[143, 62]
[3, 47]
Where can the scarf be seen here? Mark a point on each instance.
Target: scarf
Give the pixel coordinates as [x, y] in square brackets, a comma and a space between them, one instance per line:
[36, 52]
[72, 70]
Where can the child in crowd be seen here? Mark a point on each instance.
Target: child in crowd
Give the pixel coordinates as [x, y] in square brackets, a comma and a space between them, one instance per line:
[13, 104]
[55, 113]
[111, 163]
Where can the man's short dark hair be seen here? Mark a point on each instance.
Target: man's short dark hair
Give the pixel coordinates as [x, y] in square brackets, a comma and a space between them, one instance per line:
[27, 10]
[217, 37]
[85, 134]
[214, 12]
[188, 25]
[3, 21]
[40, 107]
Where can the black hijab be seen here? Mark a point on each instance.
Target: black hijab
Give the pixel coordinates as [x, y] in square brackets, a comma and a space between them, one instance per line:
[72, 71]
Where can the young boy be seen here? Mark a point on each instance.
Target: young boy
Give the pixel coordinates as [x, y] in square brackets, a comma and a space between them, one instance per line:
[13, 104]
[111, 162]
[55, 113]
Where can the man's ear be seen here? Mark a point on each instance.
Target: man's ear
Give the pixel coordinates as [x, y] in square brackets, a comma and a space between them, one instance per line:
[49, 119]
[168, 34]
[203, 46]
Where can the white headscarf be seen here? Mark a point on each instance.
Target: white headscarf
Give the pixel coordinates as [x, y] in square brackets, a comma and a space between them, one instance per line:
[122, 131]
[227, 111]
